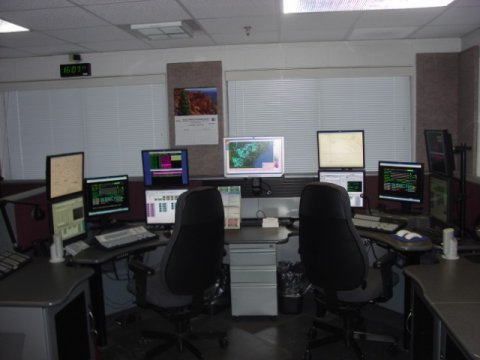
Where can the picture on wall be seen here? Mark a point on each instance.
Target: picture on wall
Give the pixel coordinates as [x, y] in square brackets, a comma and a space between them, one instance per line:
[196, 116]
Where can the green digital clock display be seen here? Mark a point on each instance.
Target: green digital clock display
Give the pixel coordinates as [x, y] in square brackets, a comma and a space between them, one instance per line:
[74, 70]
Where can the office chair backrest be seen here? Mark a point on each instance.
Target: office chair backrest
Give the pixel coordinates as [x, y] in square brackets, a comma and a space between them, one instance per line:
[193, 256]
[330, 248]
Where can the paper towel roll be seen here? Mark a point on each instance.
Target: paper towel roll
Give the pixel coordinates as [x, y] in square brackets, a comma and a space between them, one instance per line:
[56, 249]
[450, 245]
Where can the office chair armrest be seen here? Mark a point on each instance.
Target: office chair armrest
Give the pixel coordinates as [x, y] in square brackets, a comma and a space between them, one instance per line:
[141, 273]
[384, 264]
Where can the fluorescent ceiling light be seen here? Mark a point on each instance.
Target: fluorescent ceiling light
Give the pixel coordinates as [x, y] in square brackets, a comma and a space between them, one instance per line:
[302, 6]
[162, 31]
[6, 27]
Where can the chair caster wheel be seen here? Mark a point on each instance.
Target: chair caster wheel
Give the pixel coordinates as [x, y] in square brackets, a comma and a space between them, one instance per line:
[307, 355]
[223, 342]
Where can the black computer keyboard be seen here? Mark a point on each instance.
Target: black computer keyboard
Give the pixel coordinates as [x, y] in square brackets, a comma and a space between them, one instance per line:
[10, 261]
[377, 223]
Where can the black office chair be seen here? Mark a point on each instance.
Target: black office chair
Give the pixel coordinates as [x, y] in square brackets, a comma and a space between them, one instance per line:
[191, 264]
[336, 263]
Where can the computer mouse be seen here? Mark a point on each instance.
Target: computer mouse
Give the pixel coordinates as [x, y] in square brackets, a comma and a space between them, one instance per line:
[412, 236]
[401, 233]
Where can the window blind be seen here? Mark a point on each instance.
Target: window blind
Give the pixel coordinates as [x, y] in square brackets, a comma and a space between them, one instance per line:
[297, 108]
[111, 124]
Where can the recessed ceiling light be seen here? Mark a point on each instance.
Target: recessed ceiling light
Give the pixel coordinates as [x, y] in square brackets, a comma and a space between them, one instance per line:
[302, 6]
[6, 27]
[167, 30]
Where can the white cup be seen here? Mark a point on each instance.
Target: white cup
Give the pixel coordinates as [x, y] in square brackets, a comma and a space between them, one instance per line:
[450, 244]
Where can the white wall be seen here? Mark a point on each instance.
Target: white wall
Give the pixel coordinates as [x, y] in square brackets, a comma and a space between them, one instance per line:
[241, 57]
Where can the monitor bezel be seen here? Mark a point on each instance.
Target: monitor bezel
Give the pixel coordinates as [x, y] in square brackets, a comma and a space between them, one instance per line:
[321, 165]
[90, 213]
[253, 172]
[349, 171]
[49, 178]
[57, 201]
[447, 155]
[436, 222]
[185, 178]
[418, 198]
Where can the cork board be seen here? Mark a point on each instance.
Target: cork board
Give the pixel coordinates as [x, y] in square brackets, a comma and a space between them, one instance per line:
[203, 159]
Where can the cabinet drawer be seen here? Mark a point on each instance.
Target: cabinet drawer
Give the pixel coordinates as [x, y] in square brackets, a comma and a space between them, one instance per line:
[258, 257]
[254, 300]
[258, 275]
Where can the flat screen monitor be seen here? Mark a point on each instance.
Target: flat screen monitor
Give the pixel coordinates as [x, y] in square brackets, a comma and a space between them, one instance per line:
[160, 206]
[253, 157]
[106, 195]
[67, 218]
[342, 149]
[352, 180]
[64, 174]
[439, 148]
[401, 182]
[163, 168]
[440, 201]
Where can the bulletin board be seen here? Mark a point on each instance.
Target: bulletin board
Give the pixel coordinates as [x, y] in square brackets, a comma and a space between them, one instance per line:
[195, 108]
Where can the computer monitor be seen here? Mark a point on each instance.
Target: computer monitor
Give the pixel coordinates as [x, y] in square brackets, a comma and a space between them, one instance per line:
[160, 206]
[253, 157]
[341, 149]
[64, 174]
[439, 148]
[67, 218]
[107, 195]
[164, 168]
[401, 182]
[440, 201]
[352, 180]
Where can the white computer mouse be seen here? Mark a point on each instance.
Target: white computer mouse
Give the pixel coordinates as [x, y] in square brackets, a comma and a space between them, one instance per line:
[412, 235]
[401, 233]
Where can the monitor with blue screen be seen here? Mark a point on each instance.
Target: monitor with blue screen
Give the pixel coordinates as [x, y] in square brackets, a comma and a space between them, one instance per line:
[165, 168]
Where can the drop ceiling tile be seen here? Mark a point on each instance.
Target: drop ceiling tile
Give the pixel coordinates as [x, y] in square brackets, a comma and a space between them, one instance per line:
[93, 2]
[54, 49]
[205, 9]
[443, 31]
[456, 16]
[254, 38]
[59, 18]
[236, 25]
[8, 5]
[25, 39]
[117, 45]
[381, 33]
[141, 12]
[397, 18]
[91, 34]
[13, 53]
[295, 22]
[328, 34]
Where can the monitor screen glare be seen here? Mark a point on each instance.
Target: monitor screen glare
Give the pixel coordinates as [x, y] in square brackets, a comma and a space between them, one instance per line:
[167, 167]
[64, 174]
[352, 181]
[341, 149]
[106, 195]
[253, 156]
[160, 206]
[68, 218]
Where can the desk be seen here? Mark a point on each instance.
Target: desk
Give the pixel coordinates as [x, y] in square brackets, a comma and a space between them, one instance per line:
[38, 305]
[253, 269]
[445, 310]
[95, 257]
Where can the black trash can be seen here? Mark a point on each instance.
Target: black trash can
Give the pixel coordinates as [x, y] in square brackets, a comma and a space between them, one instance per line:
[291, 287]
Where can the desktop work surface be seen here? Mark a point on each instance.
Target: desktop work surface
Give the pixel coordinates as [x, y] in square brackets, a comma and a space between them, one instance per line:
[450, 289]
